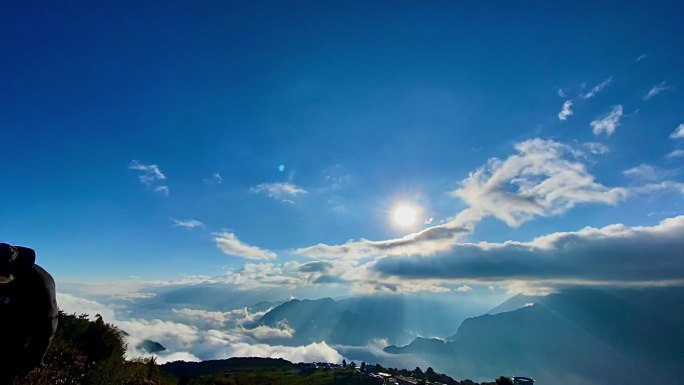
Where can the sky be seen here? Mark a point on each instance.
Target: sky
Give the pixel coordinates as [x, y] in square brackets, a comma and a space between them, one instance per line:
[268, 146]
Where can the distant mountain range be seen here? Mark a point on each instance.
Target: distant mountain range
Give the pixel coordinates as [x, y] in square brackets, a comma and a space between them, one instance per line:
[577, 337]
[359, 321]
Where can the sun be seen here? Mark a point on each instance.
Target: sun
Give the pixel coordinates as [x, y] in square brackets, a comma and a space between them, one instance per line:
[405, 215]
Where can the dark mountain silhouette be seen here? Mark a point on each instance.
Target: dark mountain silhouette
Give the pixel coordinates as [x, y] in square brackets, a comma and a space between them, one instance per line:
[581, 336]
[150, 346]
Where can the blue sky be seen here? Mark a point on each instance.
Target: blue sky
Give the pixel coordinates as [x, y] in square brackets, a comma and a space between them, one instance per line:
[277, 127]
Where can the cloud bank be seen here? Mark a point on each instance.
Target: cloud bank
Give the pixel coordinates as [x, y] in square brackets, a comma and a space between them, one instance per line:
[612, 254]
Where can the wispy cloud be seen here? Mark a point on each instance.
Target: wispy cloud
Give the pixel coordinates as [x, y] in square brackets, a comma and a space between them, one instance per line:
[231, 245]
[544, 178]
[162, 190]
[647, 172]
[215, 178]
[678, 133]
[429, 241]
[282, 191]
[149, 173]
[676, 154]
[187, 223]
[597, 88]
[566, 110]
[597, 148]
[642, 57]
[607, 123]
[561, 93]
[657, 89]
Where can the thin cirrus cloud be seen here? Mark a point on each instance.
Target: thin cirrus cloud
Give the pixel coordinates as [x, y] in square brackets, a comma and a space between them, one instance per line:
[215, 178]
[614, 254]
[162, 189]
[150, 174]
[647, 172]
[543, 178]
[230, 244]
[597, 88]
[678, 133]
[282, 191]
[607, 123]
[566, 110]
[187, 223]
[597, 148]
[679, 153]
[657, 89]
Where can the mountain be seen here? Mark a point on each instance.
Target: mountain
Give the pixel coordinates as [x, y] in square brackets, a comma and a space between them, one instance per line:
[577, 337]
[514, 303]
[360, 320]
[150, 346]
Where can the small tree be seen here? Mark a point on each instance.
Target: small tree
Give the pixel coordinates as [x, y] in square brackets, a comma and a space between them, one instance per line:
[504, 381]
[363, 366]
[344, 363]
[353, 365]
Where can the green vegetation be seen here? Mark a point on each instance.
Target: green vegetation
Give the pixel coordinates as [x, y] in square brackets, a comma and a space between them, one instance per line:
[85, 352]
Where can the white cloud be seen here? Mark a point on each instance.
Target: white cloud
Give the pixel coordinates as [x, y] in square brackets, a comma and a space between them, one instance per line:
[428, 241]
[646, 172]
[678, 133]
[642, 57]
[660, 187]
[657, 89]
[566, 110]
[149, 173]
[597, 148]
[77, 305]
[231, 245]
[190, 343]
[259, 275]
[609, 122]
[162, 189]
[544, 178]
[208, 319]
[561, 93]
[280, 191]
[464, 289]
[597, 88]
[215, 178]
[263, 332]
[676, 154]
[187, 223]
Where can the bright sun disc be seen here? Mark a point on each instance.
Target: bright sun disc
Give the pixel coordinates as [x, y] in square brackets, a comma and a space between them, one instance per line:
[405, 215]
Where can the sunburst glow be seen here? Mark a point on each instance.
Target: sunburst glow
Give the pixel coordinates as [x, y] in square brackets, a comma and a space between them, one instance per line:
[405, 215]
